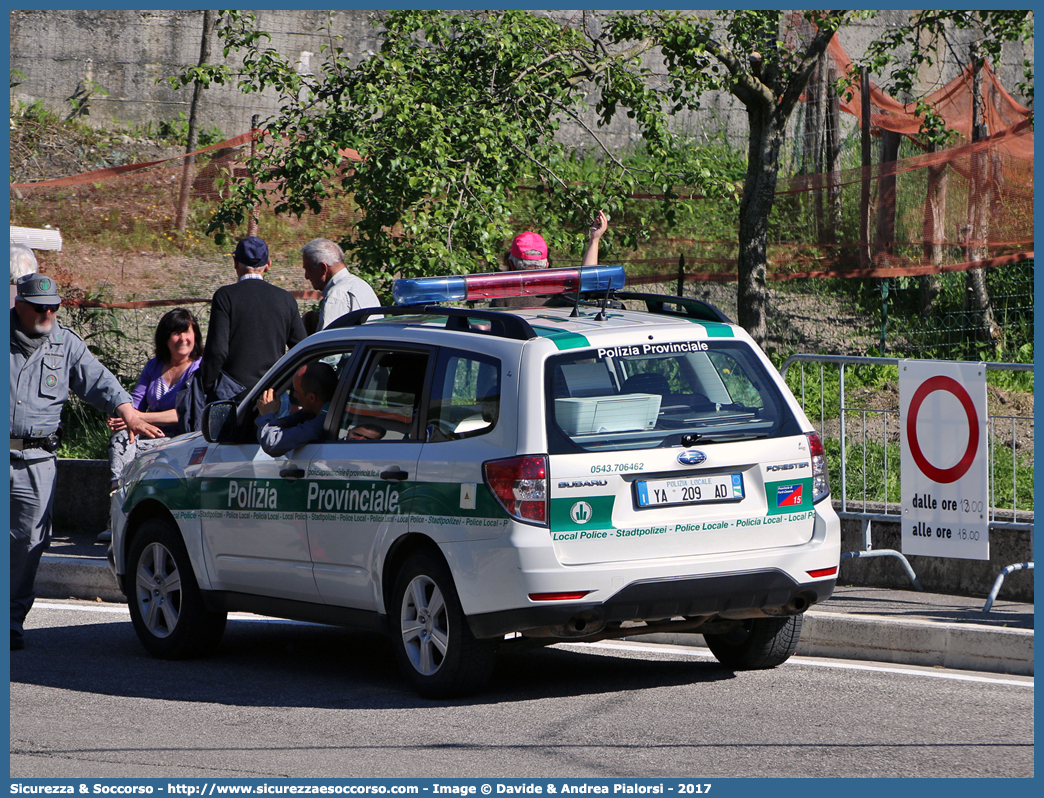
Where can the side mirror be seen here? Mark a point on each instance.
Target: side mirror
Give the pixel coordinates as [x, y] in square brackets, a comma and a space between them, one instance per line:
[219, 422]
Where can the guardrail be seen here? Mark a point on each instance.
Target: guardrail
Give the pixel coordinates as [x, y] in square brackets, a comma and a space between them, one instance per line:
[869, 509]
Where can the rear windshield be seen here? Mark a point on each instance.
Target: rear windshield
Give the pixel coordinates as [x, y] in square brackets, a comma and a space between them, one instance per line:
[624, 398]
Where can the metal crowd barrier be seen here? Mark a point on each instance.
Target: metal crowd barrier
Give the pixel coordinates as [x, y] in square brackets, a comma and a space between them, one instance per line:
[866, 513]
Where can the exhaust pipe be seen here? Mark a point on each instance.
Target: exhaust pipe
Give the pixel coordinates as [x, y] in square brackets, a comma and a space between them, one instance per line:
[799, 604]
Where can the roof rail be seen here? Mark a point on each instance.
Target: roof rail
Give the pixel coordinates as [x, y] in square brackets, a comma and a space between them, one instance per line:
[588, 299]
[502, 325]
[690, 308]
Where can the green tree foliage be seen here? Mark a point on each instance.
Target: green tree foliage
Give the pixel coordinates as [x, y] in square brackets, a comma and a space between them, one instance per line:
[458, 109]
[452, 114]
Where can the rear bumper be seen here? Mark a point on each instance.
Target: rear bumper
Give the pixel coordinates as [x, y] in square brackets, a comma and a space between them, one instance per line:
[769, 589]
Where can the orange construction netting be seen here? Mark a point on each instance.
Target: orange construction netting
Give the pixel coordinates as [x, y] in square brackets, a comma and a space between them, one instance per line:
[967, 206]
[953, 102]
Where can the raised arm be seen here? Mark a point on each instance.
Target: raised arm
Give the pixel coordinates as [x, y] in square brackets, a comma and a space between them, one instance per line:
[594, 235]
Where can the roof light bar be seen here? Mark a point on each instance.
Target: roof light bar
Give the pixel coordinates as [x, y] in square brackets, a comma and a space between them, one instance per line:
[428, 290]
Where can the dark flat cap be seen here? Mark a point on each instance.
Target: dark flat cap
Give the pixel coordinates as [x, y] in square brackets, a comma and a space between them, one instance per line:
[38, 288]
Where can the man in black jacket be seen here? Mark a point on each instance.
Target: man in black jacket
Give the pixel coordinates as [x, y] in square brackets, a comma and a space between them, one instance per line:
[252, 324]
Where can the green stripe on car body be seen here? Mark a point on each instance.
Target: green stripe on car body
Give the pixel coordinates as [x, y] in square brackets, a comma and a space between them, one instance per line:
[336, 495]
[444, 498]
[174, 493]
[715, 329]
[563, 339]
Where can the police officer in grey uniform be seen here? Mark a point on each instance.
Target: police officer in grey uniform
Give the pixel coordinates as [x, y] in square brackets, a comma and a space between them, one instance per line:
[47, 361]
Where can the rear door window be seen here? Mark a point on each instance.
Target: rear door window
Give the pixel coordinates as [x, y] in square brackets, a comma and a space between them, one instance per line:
[465, 396]
[386, 396]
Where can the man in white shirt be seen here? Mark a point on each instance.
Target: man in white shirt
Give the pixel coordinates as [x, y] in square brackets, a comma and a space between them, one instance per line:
[23, 262]
[343, 292]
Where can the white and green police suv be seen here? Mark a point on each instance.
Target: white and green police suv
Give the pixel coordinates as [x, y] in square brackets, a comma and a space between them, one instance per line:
[498, 477]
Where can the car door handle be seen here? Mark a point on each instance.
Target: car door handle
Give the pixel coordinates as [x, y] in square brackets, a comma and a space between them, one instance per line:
[397, 475]
[292, 473]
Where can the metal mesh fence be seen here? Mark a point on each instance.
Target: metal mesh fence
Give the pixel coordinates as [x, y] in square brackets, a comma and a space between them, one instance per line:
[912, 294]
[947, 329]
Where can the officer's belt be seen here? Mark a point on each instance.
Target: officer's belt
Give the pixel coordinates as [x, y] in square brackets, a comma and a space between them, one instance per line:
[48, 443]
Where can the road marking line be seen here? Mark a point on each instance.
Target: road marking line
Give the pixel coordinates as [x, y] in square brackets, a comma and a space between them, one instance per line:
[123, 609]
[43, 605]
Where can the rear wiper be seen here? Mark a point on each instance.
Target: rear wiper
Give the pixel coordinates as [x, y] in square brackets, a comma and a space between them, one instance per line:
[696, 439]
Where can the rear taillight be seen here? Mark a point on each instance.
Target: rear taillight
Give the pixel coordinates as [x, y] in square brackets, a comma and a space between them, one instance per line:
[520, 485]
[820, 478]
[821, 573]
[568, 595]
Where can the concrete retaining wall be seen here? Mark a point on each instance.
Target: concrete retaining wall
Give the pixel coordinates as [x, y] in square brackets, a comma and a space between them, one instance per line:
[938, 574]
[82, 503]
[86, 578]
[129, 53]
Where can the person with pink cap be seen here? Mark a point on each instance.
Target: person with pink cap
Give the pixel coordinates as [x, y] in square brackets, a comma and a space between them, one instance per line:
[529, 251]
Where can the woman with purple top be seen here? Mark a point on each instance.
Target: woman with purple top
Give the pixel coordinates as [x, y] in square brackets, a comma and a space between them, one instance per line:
[179, 349]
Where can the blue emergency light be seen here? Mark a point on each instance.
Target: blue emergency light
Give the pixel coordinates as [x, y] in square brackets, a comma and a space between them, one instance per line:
[537, 282]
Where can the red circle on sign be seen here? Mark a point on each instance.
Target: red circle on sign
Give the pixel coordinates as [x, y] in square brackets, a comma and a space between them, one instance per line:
[943, 476]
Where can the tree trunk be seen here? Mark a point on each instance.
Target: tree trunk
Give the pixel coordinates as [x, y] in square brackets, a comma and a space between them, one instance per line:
[977, 298]
[864, 188]
[181, 220]
[832, 149]
[886, 197]
[765, 141]
[934, 233]
[253, 219]
[812, 148]
[818, 85]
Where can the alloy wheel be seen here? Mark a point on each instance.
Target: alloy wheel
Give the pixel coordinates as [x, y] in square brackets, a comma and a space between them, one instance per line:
[158, 584]
[424, 627]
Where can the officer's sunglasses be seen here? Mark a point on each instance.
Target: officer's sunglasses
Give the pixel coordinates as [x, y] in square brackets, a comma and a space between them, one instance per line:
[44, 308]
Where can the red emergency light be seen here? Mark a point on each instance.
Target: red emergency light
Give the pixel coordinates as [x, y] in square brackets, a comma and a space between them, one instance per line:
[429, 290]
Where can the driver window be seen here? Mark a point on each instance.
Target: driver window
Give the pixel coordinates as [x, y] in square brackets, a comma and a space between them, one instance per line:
[383, 403]
[283, 387]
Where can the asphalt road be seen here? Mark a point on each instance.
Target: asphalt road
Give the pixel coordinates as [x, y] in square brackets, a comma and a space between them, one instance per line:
[290, 700]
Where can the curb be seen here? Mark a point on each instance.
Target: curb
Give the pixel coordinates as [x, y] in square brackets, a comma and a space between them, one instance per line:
[88, 578]
[961, 646]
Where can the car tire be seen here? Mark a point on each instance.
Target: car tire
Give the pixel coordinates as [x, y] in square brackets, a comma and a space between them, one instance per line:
[166, 605]
[757, 644]
[434, 646]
